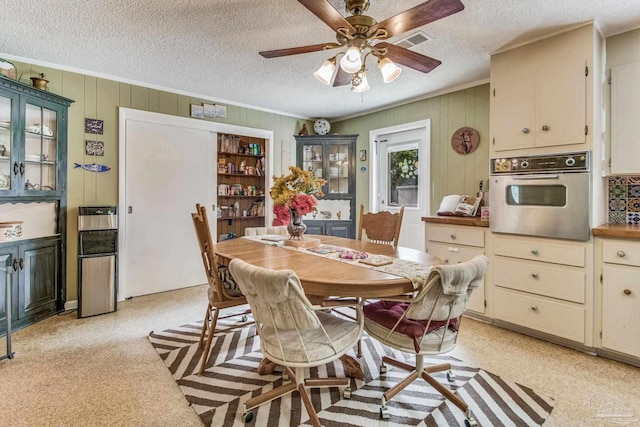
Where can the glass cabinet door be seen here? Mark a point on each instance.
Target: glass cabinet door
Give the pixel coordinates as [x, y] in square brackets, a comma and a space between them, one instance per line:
[312, 159]
[40, 166]
[338, 176]
[6, 137]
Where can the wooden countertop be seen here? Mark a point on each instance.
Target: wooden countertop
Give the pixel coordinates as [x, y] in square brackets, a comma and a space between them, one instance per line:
[456, 220]
[623, 231]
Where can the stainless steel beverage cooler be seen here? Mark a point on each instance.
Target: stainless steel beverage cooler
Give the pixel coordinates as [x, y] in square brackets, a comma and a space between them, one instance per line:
[97, 263]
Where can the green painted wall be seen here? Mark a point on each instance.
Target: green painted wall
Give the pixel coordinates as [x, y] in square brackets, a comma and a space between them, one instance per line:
[451, 173]
[100, 98]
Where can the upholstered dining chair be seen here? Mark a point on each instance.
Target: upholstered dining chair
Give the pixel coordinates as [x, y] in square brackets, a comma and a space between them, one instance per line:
[381, 227]
[426, 323]
[223, 292]
[293, 333]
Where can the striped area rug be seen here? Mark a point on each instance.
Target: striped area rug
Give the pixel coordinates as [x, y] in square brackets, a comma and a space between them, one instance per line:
[231, 378]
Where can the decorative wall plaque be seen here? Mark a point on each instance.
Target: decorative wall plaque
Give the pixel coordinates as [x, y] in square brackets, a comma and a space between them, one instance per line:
[465, 140]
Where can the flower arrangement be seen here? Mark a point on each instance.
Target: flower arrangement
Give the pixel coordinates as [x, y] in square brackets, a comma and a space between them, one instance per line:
[296, 191]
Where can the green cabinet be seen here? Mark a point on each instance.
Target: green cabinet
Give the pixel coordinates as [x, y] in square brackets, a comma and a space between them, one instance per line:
[332, 158]
[33, 165]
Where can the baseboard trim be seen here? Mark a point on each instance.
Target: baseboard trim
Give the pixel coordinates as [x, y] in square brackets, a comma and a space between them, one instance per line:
[71, 305]
[618, 357]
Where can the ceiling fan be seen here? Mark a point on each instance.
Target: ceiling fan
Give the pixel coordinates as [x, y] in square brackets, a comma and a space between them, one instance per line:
[362, 35]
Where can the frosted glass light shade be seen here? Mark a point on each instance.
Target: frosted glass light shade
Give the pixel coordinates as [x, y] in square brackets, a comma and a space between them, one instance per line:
[325, 72]
[351, 61]
[363, 86]
[389, 70]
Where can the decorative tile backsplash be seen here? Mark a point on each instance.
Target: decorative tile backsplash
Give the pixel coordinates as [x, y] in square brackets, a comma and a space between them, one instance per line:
[624, 200]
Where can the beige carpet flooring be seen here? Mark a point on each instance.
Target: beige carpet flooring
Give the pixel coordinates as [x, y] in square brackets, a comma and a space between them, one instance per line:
[102, 371]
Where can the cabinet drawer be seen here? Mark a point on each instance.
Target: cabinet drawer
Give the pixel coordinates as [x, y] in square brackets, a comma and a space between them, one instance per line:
[540, 250]
[453, 254]
[567, 283]
[619, 252]
[557, 318]
[470, 236]
[621, 309]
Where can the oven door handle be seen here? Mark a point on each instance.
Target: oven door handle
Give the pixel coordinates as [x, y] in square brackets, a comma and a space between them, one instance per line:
[541, 176]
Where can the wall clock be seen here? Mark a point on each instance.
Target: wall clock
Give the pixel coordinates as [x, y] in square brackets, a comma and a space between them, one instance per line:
[465, 140]
[321, 126]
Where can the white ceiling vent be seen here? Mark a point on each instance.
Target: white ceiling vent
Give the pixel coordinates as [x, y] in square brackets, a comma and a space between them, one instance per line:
[413, 39]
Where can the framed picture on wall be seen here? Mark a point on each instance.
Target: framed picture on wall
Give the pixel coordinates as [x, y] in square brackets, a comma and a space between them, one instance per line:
[197, 111]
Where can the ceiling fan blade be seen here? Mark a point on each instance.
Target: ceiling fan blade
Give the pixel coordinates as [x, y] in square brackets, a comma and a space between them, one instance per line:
[327, 14]
[409, 58]
[296, 50]
[418, 16]
[342, 78]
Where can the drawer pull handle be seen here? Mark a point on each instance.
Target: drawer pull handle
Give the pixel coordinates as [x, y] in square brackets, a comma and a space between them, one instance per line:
[627, 292]
[453, 249]
[534, 251]
[446, 261]
[621, 254]
[534, 308]
[453, 237]
[525, 130]
[545, 128]
[534, 275]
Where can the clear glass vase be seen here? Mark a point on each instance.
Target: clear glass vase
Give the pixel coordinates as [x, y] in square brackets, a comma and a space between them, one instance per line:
[296, 227]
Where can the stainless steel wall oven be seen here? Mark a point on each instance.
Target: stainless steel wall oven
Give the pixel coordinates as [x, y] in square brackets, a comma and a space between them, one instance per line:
[546, 196]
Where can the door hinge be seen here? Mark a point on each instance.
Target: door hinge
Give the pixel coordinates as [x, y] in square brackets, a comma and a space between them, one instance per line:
[494, 140]
[494, 92]
[609, 161]
[586, 71]
[485, 303]
[586, 129]
[609, 79]
[600, 334]
[601, 278]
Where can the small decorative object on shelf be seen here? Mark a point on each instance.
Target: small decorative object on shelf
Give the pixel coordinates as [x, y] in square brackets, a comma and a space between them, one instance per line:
[40, 82]
[7, 69]
[294, 196]
[321, 126]
[303, 131]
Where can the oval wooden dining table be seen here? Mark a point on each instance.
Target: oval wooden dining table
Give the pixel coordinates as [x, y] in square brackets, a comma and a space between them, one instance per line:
[322, 277]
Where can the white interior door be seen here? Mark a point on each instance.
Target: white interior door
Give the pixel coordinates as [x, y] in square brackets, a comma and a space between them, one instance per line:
[168, 170]
[402, 179]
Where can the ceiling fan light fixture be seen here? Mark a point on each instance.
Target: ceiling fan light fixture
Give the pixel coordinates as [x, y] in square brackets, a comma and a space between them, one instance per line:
[389, 70]
[326, 70]
[359, 82]
[351, 62]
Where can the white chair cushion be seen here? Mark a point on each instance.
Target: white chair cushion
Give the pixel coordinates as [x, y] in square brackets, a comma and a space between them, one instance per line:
[343, 333]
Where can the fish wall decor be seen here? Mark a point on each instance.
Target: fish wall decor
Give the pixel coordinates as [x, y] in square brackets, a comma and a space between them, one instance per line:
[92, 167]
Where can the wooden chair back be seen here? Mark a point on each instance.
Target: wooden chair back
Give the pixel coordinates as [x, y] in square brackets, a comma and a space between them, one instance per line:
[218, 295]
[381, 227]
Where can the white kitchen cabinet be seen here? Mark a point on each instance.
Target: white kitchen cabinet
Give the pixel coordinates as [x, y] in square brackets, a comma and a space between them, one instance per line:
[625, 115]
[543, 94]
[543, 285]
[621, 296]
[547, 109]
[457, 243]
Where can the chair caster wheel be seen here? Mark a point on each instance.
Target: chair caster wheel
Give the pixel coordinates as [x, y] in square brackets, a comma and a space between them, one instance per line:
[346, 394]
[247, 417]
[451, 376]
[244, 318]
[383, 369]
[384, 413]
[469, 420]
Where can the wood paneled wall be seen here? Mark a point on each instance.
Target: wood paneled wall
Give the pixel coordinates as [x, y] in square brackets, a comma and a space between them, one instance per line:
[100, 98]
[451, 173]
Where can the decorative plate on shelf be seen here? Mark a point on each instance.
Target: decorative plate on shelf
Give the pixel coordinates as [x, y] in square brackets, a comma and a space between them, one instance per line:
[321, 126]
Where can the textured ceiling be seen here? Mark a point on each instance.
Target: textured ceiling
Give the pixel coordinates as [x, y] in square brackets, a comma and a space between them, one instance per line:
[209, 48]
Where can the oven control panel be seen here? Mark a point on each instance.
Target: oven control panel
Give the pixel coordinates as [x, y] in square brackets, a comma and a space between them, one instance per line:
[568, 162]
